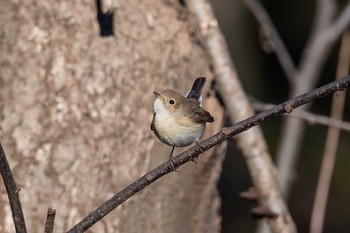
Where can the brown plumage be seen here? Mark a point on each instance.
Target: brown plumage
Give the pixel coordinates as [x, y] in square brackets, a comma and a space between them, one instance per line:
[178, 120]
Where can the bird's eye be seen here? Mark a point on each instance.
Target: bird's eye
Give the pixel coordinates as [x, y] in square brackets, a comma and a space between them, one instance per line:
[171, 101]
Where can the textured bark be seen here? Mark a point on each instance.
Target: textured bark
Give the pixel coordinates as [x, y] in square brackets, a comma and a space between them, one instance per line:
[76, 109]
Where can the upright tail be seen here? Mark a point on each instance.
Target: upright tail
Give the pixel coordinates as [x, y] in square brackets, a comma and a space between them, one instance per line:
[196, 91]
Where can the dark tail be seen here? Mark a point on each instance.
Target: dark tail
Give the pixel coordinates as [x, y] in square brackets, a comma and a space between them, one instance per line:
[197, 87]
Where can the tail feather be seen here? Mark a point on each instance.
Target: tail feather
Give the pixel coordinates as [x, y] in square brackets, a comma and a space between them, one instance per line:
[196, 90]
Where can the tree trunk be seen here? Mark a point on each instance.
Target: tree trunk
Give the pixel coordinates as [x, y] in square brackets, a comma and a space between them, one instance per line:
[76, 110]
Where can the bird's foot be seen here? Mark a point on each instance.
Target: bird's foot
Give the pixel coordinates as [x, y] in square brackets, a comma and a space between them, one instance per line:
[172, 163]
[200, 149]
[194, 160]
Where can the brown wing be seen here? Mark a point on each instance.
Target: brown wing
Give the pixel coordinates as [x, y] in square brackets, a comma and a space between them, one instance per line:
[201, 115]
[196, 113]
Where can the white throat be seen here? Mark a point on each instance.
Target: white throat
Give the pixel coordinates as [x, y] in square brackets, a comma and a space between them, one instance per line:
[159, 108]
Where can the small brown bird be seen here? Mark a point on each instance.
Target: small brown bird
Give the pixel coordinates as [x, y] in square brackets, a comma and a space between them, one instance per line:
[178, 121]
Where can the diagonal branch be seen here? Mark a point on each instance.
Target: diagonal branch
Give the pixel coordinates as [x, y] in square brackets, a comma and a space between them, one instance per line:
[325, 10]
[12, 193]
[340, 24]
[311, 118]
[315, 53]
[273, 37]
[224, 134]
[314, 56]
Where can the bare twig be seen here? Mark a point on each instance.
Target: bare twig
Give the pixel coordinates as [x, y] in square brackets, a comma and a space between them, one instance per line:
[314, 56]
[263, 212]
[311, 118]
[318, 48]
[273, 37]
[325, 10]
[318, 212]
[12, 193]
[224, 134]
[343, 21]
[303, 78]
[50, 220]
[323, 37]
[249, 195]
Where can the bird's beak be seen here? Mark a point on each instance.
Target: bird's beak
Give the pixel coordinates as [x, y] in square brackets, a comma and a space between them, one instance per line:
[157, 94]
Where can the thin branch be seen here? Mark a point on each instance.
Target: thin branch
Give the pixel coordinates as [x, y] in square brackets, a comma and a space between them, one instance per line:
[303, 78]
[273, 38]
[50, 220]
[317, 49]
[311, 118]
[224, 134]
[331, 145]
[12, 193]
[340, 24]
[314, 56]
[325, 10]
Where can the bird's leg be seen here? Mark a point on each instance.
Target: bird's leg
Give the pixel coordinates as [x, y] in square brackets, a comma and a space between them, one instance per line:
[200, 149]
[171, 159]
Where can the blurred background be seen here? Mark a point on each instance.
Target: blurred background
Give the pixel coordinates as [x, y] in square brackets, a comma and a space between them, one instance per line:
[264, 79]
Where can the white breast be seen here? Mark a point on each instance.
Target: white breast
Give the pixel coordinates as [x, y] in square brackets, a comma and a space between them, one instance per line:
[173, 129]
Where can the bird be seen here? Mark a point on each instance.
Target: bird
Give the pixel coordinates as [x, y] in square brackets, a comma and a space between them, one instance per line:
[180, 120]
